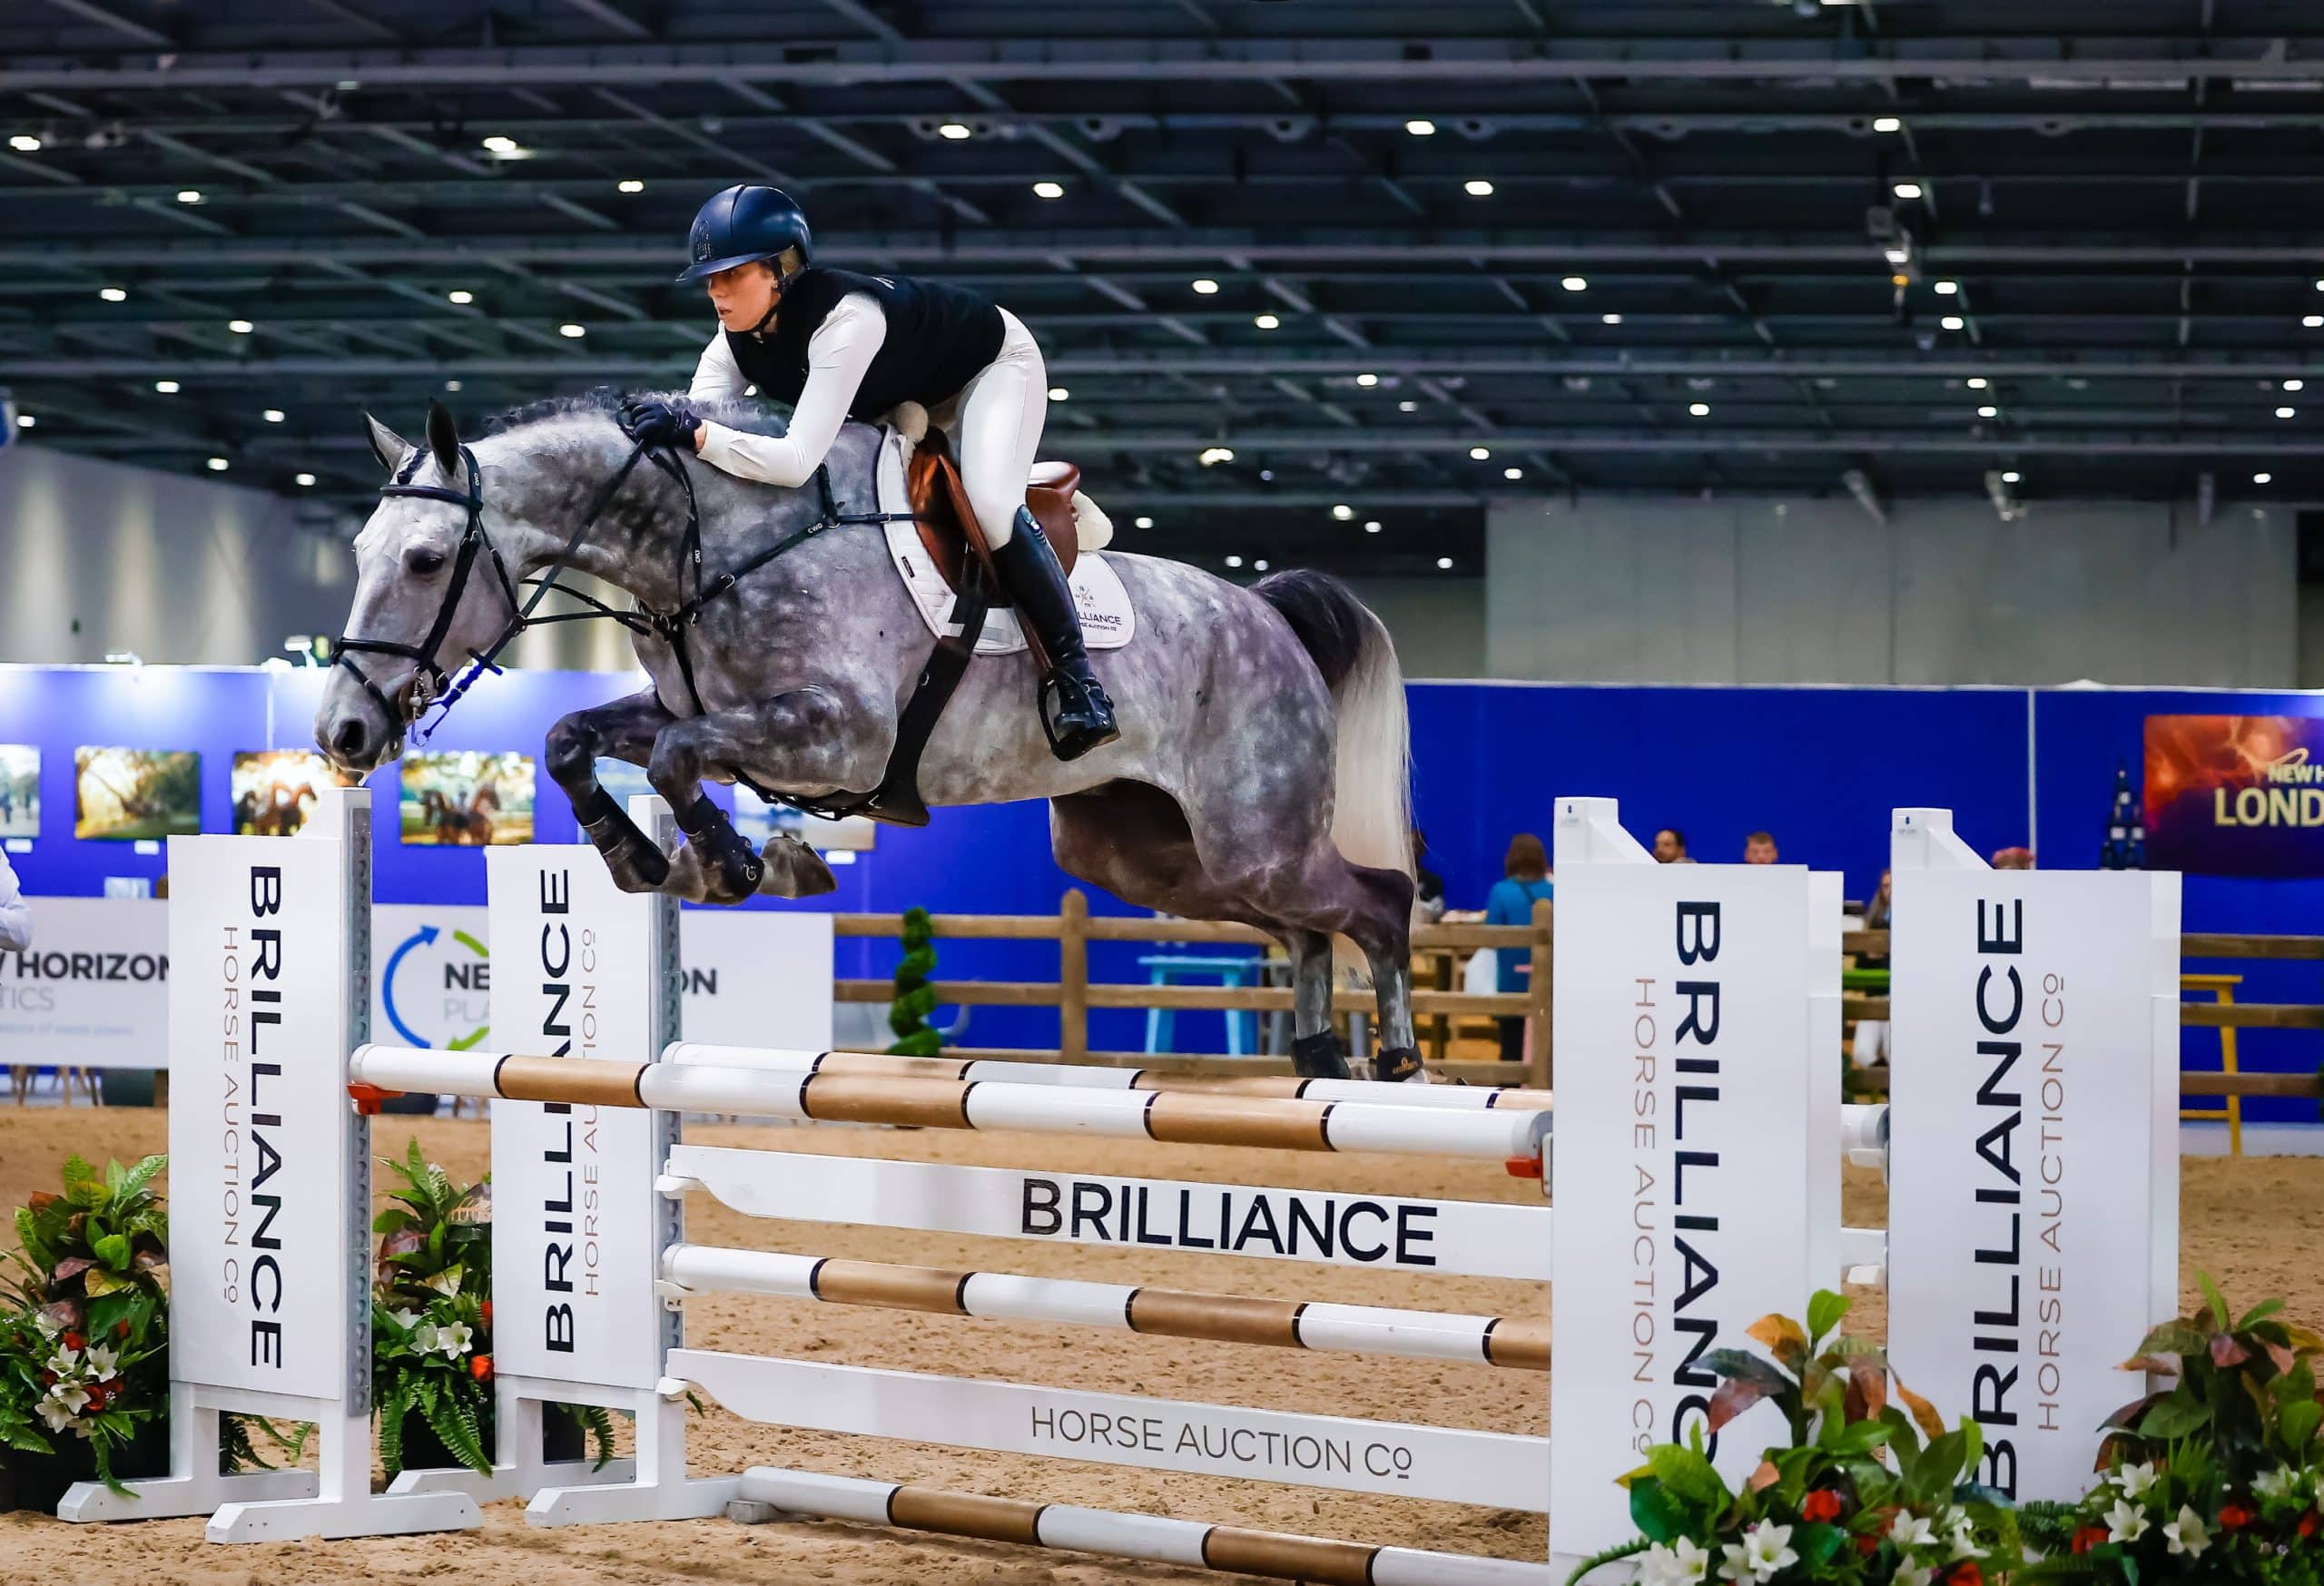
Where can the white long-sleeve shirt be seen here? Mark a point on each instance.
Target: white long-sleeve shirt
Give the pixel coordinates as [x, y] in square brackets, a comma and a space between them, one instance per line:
[15, 914]
[838, 355]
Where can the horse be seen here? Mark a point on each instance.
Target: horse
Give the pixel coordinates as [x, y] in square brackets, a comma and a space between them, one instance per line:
[466, 824]
[1262, 774]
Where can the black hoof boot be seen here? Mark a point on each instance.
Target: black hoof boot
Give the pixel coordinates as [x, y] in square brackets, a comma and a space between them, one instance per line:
[1399, 1065]
[1319, 1057]
[637, 865]
[728, 861]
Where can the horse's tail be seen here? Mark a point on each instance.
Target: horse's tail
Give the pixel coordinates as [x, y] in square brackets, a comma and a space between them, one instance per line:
[1373, 823]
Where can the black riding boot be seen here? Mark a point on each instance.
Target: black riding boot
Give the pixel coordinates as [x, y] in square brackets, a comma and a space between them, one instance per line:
[1075, 711]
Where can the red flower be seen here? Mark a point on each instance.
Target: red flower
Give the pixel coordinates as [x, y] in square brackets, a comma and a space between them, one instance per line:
[1820, 1507]
[121, 1328]
[2089, 1537]
[48, 1379]
[1867, 1543]
[2235, 1516]
[480, 1367]
[2307, 1526]
[1965, 1573]
[487, 1313]
[75, 1341]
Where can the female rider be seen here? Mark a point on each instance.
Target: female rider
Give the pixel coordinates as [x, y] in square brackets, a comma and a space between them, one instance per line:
[836, 345]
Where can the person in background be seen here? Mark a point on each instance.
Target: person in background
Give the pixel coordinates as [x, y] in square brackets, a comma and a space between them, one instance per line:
[1871, 1045]
[1669, 846]
[1759, 848]
[1878, 912]
[1428, 887]
[2013, 859]
[1526, 881]
[15, 914]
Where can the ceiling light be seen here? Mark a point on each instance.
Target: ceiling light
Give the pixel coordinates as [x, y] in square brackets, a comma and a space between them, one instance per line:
[1342, 511]
[1212, 456]
[572, 330]
[1265, 322]
[113, 294]
[501, 143]
[240, 326]
[455, 385]
[1204, 287]
[1698, 409]
[1898, 256]
[1480, 453]
[25, 144]
[167, 387]
[1367, 380]
[1234, 561]
[273, 415]
[1954, 323]
[1977, 382]
[1371, 526]
[1907, 189]
[1945, 288]
[1059, 393]
[1145, 523]
[629, 184]
[2294, 385]
[1575, 283]
[1887, 123]
[1477, 187]
[217, 465]
[2263, 479]
[1260, 565]
[306, 478]
[2011, 476]
[954, 131]
[26, 421]
[1609, 319]
[1419, 126]
[1989, 411]
[1049, 190]
[189, 195]
[1512, 473]
[459, 295]
[2313, 321]
[2286, 412]
[1408, 406]
[1444, 564]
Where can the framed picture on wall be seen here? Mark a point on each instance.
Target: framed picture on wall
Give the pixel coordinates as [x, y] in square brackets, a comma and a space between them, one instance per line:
[132, 795]
[467, 798]
[758, 822]
[275, 790]
[19, 790]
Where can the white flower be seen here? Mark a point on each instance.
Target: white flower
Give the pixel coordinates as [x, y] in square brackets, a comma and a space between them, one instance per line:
[2126, 1521]
[2277, 1484]
[1964, 1539]
[1737, 1567]
[66, 1363]
[1684, 1564]
[452, 1339]
[2187, 1534]
[1910, 1530]
[1914, 1574]
[61, 1403]
[423, 1337]
[1769, 1549]
[2134, 1480]
[105, 1365]
[406, 1318]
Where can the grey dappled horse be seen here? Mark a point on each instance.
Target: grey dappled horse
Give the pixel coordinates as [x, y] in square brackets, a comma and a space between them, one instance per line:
[1261, 775]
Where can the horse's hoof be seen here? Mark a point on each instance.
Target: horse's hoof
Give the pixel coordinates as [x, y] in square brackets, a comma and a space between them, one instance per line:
[1399, 1065]
[1319, 1057]
[730, 869]
[686, 881]
[794, 870]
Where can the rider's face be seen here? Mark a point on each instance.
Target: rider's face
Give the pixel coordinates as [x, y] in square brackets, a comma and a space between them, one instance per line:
[743, 295]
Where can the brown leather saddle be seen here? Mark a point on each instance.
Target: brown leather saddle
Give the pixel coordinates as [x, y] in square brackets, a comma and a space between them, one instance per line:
[948, 529]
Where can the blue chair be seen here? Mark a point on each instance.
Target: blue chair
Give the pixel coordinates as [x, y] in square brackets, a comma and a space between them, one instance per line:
[1173, 969]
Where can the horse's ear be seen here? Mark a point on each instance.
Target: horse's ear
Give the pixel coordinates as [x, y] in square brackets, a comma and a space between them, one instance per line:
[444, 439]
[385, 444]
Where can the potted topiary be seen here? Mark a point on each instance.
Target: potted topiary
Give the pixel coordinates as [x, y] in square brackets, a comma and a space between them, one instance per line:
[915, 998]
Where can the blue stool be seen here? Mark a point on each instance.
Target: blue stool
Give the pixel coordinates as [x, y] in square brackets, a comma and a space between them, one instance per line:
[1173, 969]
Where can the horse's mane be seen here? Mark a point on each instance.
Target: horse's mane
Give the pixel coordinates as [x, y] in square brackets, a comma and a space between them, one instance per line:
[744, 413]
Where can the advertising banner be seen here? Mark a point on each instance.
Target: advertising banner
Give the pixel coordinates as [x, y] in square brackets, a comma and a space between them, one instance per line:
[2236, 796]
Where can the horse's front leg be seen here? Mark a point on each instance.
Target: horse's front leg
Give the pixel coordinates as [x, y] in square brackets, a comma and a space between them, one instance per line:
[812, 742]
[625, 730]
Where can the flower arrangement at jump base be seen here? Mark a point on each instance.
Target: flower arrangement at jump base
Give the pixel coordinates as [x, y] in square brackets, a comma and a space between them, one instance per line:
[431, 1326]
[1867, 1491]
[83, 1332]
[2218, 1477]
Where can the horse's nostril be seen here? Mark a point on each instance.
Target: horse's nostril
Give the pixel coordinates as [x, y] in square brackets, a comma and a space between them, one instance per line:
[349, 740]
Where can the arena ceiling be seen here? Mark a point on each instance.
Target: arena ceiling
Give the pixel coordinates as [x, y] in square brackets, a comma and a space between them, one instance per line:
[1394, 258]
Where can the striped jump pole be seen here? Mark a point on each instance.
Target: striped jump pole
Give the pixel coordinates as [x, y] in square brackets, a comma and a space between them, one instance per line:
[1284, 1088]
[1516, 1342]
[1167, 1116]
[1275, 1555]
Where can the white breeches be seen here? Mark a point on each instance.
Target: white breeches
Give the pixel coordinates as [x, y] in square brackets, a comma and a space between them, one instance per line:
[996, 428]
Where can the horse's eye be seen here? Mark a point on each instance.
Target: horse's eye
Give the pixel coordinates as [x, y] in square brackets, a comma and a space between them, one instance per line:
[424, 564]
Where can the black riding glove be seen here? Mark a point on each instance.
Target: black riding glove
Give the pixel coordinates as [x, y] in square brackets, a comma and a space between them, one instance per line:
[661, 421]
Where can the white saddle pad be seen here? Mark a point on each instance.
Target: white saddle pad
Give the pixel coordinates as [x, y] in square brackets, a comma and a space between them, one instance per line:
[1108, 623]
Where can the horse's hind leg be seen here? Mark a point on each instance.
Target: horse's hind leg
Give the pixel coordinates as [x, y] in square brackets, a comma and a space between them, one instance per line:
[625, 730]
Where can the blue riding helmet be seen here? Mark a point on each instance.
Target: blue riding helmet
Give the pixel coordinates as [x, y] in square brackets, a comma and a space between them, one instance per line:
[745, 225]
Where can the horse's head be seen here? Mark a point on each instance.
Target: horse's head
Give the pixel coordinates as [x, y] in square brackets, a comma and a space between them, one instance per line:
[430, 589]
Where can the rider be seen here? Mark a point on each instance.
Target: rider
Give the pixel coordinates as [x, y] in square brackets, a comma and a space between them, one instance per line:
[837, 345]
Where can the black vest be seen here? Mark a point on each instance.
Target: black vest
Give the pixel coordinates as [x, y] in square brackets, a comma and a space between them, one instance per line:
[939, 338]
